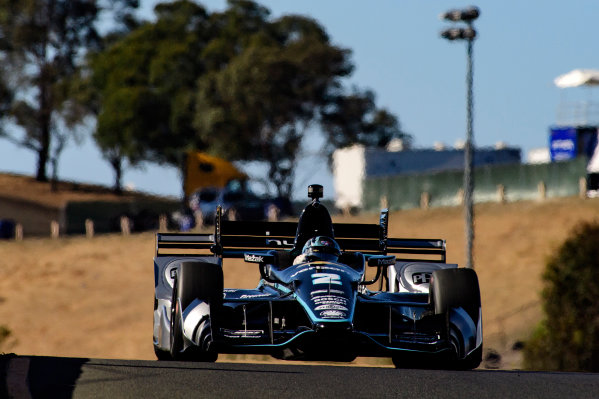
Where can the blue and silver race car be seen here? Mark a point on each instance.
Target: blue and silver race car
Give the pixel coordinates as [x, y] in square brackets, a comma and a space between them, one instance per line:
[314, 300]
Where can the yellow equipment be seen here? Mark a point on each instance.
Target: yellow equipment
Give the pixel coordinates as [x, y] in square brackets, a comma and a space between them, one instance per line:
[203, 170]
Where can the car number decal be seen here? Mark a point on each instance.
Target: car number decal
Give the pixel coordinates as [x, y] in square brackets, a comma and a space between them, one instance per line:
[326, 278]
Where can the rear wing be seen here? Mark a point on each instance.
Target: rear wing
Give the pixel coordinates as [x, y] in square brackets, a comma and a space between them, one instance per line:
[183, 244]
[231, 239]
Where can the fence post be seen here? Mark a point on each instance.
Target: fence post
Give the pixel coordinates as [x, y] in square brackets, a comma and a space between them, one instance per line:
[273, 213]
[460, 196]
[125, 226]
[19, 232]
[162, 223]
[542, 190]
[384, 202]
[54, 229]
[89, 228]
[501, 193]
[582, 187]
[425, 200]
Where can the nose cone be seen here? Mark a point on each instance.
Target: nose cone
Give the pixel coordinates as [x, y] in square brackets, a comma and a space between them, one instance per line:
[328, 295]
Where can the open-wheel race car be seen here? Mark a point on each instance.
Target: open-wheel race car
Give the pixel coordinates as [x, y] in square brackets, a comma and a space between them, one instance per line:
[314, 300]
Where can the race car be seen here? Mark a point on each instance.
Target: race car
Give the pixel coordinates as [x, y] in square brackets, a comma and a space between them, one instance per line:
[314, 299]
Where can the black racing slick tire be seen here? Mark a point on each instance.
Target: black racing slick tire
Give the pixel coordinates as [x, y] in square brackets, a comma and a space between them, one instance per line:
[162, 354]
[200, 280]
[176, 349]
[455, 288]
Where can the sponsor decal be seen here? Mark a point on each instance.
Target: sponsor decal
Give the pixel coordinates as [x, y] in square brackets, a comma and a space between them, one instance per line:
[330, 307]
[564, 145]
[249, 296]
[254, 258]
[242, 333]
[421, 278]
[330, 302]
[326, 292]
[332, 314]
[386, 261]
[272, 242]
[326, 278]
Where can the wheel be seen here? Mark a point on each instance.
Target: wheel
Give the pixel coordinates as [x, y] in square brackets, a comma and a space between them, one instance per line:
[453, 288]
[162, 354]
[457, 288]
[176, 330]
[203, 281]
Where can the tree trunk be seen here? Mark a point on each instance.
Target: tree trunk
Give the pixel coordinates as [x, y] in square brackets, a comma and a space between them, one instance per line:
[42, 159]
[117, 166]
[45, 113]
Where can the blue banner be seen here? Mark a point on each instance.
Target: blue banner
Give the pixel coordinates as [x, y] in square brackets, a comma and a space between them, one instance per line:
[562, 143]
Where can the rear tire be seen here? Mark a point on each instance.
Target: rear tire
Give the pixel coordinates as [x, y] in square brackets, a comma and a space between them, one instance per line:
[455, 288]
[203, 281]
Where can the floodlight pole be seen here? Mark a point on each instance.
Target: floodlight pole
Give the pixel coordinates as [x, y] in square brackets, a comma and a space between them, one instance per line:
[468, 165]
[469, 34]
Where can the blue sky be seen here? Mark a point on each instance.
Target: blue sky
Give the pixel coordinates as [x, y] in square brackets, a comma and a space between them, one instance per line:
[521, 47]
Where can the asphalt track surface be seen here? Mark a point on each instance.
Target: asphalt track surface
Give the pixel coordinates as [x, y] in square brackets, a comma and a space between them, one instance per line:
[47, 377]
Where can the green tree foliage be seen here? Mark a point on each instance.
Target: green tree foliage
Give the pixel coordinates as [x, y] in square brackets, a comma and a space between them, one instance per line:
[259, 106]
[144, 85]
[42, 43]
[236, 83]
[355, 119]
[283, 77]
[568, 338]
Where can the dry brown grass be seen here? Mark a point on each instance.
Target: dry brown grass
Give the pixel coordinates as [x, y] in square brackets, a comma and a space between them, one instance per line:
[93, 297]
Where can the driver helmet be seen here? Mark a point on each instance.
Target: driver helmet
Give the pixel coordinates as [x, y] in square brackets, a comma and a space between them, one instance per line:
[321, 248]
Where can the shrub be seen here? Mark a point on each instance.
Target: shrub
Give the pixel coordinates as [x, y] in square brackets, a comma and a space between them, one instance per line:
[568, 338]
[4, 334]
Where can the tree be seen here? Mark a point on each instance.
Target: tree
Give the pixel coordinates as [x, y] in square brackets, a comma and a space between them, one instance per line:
[354, 119]
[285, 78]
[144, 86]
[43, 41]
[264, 100]
[568, 338]
[234, 83]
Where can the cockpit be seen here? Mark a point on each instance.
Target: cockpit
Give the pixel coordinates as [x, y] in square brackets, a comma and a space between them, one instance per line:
[314, 221]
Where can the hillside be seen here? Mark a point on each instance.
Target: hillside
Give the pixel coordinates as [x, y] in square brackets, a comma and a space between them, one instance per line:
[93, 297]
[26, 188]
[36, 205]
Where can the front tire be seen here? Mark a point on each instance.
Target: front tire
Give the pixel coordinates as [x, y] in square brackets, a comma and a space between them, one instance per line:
[452, 289]
[195, 280]
[162, 354]
[176, 350]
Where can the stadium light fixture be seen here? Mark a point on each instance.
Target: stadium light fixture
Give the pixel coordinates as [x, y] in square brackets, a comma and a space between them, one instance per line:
[467, 16]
